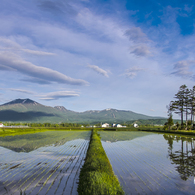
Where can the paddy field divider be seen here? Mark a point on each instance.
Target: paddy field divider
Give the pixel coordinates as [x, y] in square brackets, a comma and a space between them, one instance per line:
[96, 176]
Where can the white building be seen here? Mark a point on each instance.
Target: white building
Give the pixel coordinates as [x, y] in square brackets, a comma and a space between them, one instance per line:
[119, 125]
[135, 125]
[1, 125]
[105, 125]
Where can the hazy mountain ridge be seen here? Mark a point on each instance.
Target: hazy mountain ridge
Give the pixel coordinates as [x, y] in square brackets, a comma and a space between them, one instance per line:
[31, 111]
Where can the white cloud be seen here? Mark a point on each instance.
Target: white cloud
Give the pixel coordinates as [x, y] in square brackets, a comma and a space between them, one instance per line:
[136, 35]
[182, 68]
[10, 60]
[104, 26]
[99, 70]
[139, 42]
[40, 53]
[132, 72]
[142, 50]
[58, 94]
[91, 37]
[10, 45]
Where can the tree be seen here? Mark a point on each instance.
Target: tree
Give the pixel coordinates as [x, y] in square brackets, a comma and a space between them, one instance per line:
[187, 103]
[179, 105]
[192, 104]
[177, 125]
[170, 121]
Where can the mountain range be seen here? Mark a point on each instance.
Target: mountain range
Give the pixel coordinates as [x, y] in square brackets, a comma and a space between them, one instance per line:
[26, 110]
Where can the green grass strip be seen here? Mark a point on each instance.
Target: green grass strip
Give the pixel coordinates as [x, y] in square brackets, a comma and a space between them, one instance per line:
[96, 176]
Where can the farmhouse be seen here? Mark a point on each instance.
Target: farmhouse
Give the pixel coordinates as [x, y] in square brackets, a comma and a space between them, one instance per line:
[1, 125]
[105, 125]
[117, 125]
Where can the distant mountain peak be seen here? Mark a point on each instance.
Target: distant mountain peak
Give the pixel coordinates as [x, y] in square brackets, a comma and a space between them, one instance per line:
[61, 108]
[21, 101]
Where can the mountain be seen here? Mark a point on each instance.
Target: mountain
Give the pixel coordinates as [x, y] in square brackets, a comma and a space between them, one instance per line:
[26, 110]
[21, 101]
[61, 108]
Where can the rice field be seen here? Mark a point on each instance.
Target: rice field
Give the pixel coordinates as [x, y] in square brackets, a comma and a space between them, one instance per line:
[149, 163]
[42, 163]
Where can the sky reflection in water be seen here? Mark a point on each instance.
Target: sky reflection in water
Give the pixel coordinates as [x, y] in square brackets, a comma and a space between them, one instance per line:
[152, 163]
[42, 163]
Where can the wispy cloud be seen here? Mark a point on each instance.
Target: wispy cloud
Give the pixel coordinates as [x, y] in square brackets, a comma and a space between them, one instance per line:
[10, 45]
[57, 7]
[21, 91]
[132, 72]
[136, 35]
[36, 80]
[188, 8]
[139, 42]
[40, 53]
[182, 68]
[10, 60]
[141, 51]
[58, 94]
[99, 70]
[2, 67]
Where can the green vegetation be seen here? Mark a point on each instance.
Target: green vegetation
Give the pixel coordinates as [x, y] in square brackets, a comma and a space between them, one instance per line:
[5, 131]
[97, 176]
[147, 122]
[169, 123]
[128, 124]
[19, 131]
[160, 130]
[53, 125]
[184, 105]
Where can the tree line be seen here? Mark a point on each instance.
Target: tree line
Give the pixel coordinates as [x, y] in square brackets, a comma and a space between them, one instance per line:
[184, 105]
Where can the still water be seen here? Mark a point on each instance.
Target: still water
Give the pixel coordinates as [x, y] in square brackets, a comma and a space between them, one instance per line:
[42, 163]
[149, 163]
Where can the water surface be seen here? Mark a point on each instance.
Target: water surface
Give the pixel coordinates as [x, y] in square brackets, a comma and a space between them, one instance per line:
[152, 163]
[42, 163]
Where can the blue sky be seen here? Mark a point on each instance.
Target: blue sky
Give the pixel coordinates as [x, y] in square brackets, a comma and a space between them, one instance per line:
[97, 54]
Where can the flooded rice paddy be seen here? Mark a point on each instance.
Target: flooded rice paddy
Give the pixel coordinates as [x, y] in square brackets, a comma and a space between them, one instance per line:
[150, 163]
[42, 163]
[49, 162]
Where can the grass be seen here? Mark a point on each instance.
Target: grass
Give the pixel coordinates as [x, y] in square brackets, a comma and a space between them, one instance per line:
[5, 131]
[182, 132]
[97, 176]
